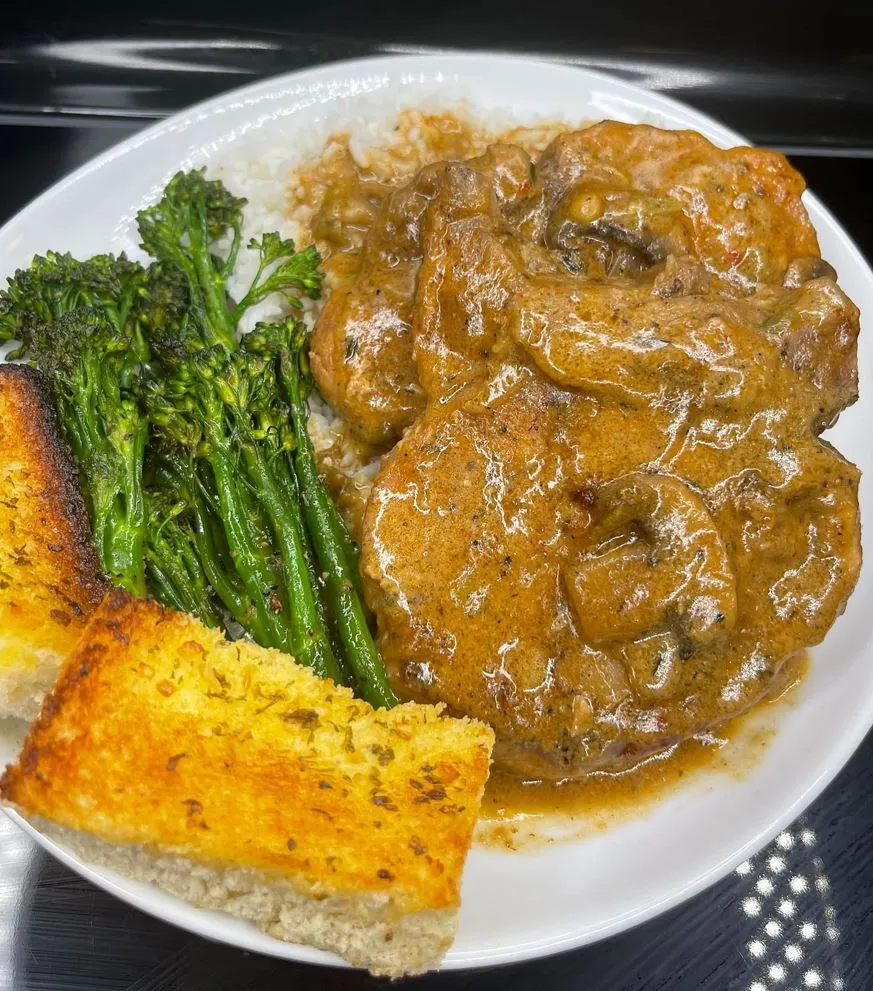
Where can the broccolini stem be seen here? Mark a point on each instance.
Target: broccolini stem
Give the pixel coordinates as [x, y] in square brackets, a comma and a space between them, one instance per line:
[171, 583]
[290, 490]
[212, 287]
[163, 588]
[310, 643]
[197, 592]
[124, 530]
[232, 255]
[341, 581]
[180, 475]
[317, 584]
[216, 559]
[174, 572]
[249, 557]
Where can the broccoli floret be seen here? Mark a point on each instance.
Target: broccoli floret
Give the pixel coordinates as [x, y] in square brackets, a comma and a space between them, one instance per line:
[56, 284]
[180, 229]
[284, 270]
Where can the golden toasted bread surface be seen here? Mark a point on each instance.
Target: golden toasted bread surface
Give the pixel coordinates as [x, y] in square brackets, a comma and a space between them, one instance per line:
[161, 732]
[50, 577]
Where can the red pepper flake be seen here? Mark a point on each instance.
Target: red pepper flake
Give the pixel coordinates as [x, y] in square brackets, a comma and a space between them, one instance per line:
[291, 844]
[194, 807]
[384, 875]
[60, 617]
[174, 760]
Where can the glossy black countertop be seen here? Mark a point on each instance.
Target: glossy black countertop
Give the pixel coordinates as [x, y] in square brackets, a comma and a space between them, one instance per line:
[798, 916]
[801, 85]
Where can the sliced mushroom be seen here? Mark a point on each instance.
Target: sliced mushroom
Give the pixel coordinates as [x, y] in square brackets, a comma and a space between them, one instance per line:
[682, 275]
[656, 562]
[805, 269]
[611, 232]
[628, 344]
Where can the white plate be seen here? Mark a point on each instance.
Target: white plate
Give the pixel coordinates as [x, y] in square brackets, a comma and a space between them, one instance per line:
[515, 906]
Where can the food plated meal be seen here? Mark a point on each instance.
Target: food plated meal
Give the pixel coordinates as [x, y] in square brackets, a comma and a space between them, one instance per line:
[513, 432]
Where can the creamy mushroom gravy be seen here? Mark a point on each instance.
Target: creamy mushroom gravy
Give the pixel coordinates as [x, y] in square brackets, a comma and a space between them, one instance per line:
[519, 814]
[596, 364]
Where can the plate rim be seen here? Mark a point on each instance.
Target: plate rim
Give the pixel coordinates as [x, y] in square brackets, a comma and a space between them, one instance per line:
[200, 920]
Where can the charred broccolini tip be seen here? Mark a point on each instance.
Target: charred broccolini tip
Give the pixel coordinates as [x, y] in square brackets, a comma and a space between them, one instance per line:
[82, 323]
[56, 284]
[164, 317]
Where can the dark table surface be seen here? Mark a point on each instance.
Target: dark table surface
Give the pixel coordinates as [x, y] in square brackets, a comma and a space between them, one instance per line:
[800, 914]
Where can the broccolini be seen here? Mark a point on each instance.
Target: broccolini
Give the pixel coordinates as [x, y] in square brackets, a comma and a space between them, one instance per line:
[191, 443]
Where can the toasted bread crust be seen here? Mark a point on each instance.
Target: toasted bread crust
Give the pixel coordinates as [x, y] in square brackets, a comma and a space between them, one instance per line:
[358, 928]
[50, 578]
[161, 733]
[25, 395]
